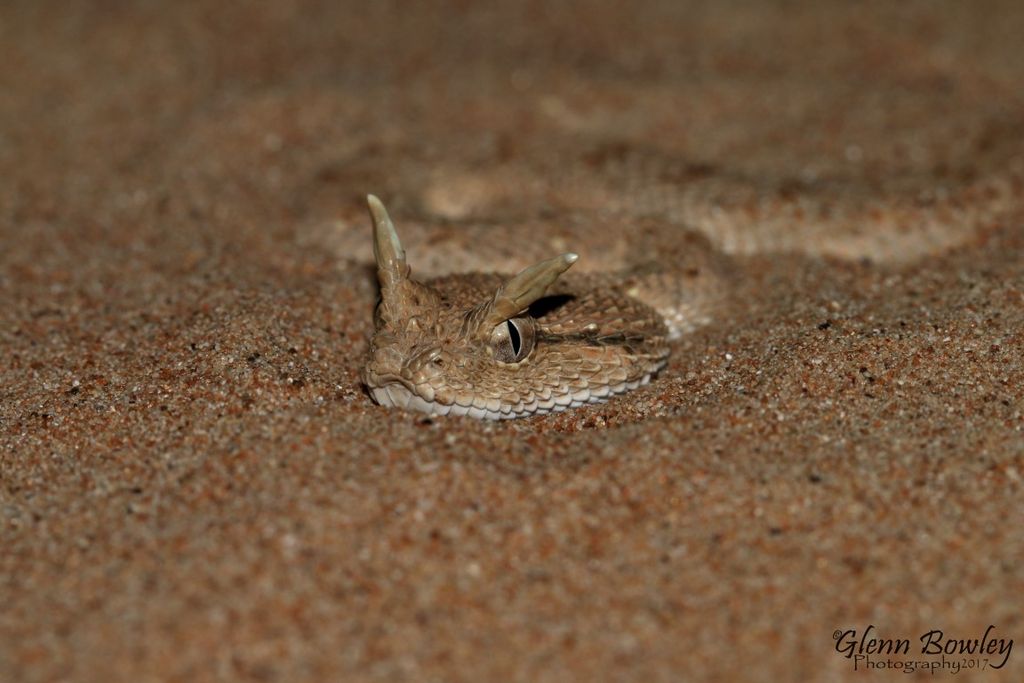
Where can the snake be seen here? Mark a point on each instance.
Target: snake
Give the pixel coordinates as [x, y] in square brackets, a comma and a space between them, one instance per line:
[501, 320]
[498, 346]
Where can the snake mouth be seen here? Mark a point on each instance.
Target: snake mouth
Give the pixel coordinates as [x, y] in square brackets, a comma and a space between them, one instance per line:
[396, 394]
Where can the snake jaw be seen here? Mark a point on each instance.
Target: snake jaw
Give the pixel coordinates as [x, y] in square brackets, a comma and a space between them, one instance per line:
[434, 349]
[398, 395]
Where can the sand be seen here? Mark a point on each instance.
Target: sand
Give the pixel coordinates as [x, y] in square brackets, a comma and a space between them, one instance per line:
[194, 486]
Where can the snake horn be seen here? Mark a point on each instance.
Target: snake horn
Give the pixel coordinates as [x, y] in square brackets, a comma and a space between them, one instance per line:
[516, 295]
[387, 249]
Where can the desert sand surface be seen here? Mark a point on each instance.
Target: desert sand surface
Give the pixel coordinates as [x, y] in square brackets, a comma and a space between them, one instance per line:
[194, 485]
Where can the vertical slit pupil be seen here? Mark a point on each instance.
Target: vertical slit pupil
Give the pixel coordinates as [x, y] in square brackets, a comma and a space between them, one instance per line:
[513, 336]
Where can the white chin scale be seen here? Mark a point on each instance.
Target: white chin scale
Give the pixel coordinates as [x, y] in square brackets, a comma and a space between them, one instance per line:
[399, 396]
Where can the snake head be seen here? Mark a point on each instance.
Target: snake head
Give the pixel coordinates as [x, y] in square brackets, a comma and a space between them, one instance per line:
[497, 348]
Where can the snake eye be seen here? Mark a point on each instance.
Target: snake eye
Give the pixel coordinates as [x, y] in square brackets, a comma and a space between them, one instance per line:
[513, 340]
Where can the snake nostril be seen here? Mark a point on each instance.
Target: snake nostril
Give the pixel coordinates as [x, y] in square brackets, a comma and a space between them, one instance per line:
[434, 357]
[431, 363]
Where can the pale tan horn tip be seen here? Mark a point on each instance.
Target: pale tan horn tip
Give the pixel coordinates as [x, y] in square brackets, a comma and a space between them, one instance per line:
[377, 209]
[570, 258]
[386, 245]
